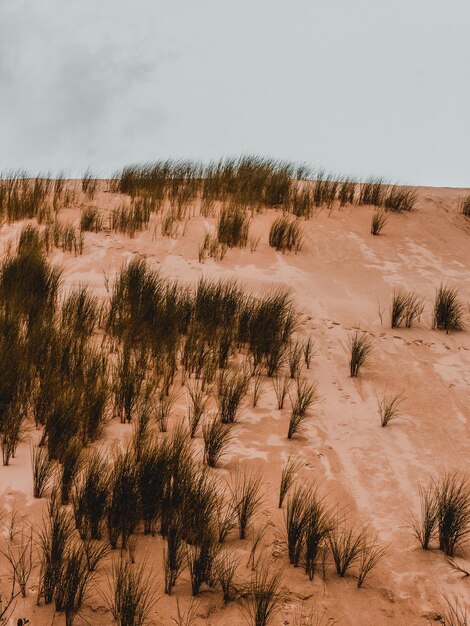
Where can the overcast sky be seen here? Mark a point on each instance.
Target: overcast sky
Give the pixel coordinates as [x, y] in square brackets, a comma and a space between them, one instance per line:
[360, 87]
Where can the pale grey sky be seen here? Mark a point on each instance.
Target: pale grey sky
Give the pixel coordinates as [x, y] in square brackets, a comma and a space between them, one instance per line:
[359, 87]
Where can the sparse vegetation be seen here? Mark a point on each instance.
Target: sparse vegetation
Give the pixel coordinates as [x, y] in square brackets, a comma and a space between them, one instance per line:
[74, 359]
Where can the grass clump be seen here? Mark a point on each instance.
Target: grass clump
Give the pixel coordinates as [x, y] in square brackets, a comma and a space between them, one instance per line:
[406, 309]
[53, 541]
[372, 192]
[286, 234]
[305, 397]
[130, 220]
[90, 184]
[448, 309]
[217, 436]
[212, 248]
[453, 613]
[73, 584]
[288, 476]
[123, 505]
[347, 544]
[360, 346]
[370, 556]
[281, 386]
[379, 219]
[247, 498]
[131, 595]
[225, 569]
[91, 220]
[264, 596]
[90, 497]
[445, 513]
[464, 206]
[400, 199]
[388, 408]
[231, 388]
[233, 226]
[42, 470]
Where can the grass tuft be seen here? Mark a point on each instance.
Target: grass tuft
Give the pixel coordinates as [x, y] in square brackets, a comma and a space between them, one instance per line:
[448, 309]
[361, 345]
[286, 234]
[379, 219]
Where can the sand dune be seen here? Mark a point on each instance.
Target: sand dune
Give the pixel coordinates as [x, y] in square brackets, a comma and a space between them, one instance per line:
[342, 278]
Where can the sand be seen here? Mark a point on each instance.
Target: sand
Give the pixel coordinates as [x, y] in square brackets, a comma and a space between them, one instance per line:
[343, 277]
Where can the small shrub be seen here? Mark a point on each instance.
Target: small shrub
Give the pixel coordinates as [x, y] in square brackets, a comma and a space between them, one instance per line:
[123, 505]
[73, 584]
[453, 512]
[72, 461]
[201, 558]
[372, 192]
[53, 540]
[309, 351]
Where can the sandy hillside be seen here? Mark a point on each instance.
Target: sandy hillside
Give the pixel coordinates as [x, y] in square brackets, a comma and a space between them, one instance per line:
[343, 277]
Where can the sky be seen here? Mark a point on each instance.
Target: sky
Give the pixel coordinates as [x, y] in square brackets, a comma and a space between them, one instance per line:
[359, 87]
